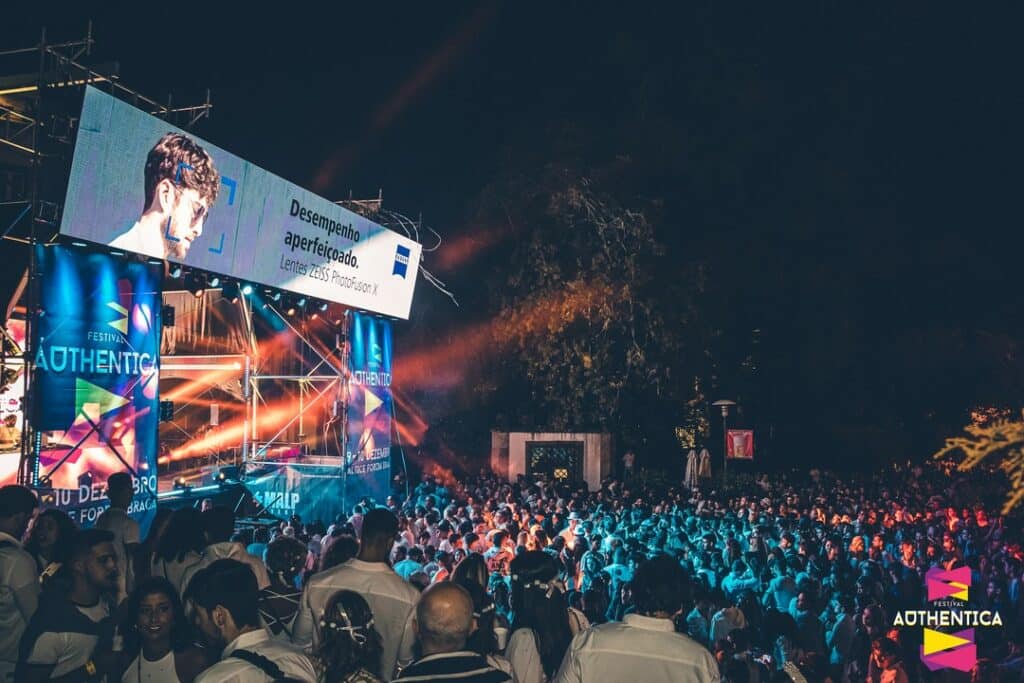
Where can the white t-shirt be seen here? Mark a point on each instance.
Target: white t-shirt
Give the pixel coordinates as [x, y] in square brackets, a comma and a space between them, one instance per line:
[522, 653]
[126, 532]
[227, 550]
[391, 600]
[175, 571]
[637, 649]
[66, 635]
[292, 661]
[19, 597]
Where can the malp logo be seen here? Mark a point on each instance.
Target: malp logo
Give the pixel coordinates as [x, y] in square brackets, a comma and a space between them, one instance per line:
[401, 261]
[939, 649]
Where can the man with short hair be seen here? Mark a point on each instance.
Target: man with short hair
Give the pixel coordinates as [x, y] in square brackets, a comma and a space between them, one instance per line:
[568, 534]
[70, 637]
[181, 184]
[19, 582]
[412, 563]
[443, 622]
[225, 598]
[219, 526]
[391, 599]
[740, 579]
[644, 646]
[498, 557]
[115, 519]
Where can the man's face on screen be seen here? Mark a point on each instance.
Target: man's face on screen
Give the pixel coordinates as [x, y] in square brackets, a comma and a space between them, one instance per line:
[187, 215]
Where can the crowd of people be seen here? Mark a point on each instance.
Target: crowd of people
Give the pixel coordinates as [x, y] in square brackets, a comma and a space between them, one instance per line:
[785, 578]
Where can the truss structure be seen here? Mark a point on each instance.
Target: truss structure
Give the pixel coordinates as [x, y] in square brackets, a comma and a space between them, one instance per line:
[36, 134]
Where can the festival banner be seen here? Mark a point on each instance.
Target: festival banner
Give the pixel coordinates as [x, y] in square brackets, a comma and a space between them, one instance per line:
[313, 491]
[323, 488]
[739, 444]
[368, 446]
[95, 349]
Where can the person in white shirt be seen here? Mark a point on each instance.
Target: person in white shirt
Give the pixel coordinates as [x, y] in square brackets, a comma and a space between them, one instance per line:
[157, 639]
[219, 525]
[392, 600]
[181, 546]
[19, 582]
[115, 519]
[181, 184]
[644, 646]
[224, 597]
[70, 637]
[540, 623]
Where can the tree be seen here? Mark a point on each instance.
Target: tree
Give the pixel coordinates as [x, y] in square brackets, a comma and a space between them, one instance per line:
[583, 321]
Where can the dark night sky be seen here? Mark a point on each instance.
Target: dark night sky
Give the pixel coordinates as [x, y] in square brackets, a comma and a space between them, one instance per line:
[852, 174]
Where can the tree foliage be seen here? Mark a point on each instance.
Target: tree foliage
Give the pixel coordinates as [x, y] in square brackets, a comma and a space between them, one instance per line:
[1001, 440]
[583, 320]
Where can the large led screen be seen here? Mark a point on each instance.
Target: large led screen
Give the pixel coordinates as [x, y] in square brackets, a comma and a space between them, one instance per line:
[141, 185]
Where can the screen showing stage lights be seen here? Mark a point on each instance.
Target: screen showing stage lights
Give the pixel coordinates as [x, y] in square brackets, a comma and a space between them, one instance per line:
[140, 185]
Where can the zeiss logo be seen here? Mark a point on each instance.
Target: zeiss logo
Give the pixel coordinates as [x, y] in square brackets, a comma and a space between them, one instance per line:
[401, 261]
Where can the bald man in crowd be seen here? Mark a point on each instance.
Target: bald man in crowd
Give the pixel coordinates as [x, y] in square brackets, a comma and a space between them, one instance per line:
[443, 622]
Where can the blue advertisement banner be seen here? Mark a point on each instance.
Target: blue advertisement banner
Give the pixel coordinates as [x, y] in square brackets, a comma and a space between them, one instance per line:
[368, 447]
[95, 350]
[323, 489]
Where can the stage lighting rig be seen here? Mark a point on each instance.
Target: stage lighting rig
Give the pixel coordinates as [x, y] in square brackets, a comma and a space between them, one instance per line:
[174, 271]
[214, 281]
[231, 292]
[195, 283]
[247, 289]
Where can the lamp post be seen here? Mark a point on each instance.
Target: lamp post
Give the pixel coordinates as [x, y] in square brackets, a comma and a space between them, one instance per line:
[725, 404]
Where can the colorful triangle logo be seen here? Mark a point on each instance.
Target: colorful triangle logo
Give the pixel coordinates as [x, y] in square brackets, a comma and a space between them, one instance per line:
[371, 402]
[121, 324]
[103, 400]
[936, 641]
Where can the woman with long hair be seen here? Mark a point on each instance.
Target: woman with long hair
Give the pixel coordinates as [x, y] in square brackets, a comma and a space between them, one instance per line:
[157, 638]
[473, 568]
[180, 546]
[49, 536]
[484, 640]
[142, 558]
[279, 601]
[540, 618]
[350, 646]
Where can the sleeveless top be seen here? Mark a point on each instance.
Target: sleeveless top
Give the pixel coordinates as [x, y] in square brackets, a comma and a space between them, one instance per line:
[141, 670]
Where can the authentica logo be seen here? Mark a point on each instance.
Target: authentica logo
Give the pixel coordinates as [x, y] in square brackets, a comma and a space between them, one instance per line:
[948, 593]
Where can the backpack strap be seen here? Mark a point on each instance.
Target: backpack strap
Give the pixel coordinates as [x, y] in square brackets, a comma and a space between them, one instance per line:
[262, 663]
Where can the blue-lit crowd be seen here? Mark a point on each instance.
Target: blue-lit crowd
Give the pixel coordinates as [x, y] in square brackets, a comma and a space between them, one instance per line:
[789, 577]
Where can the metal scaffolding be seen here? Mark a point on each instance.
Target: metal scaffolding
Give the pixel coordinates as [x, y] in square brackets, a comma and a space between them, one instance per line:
[36, 134]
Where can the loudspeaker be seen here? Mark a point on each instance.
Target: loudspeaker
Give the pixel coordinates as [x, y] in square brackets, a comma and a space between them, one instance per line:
[214, 414]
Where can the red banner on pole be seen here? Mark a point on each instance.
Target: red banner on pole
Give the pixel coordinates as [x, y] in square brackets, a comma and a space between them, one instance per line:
[739, 444]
